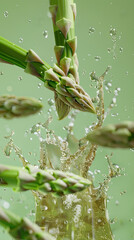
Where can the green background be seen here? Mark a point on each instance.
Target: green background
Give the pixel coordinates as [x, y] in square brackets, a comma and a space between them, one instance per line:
[28, 20]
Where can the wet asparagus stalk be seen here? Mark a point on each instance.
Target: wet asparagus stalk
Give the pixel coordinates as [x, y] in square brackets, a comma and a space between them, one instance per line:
[68, 91]
[46, 181]
[62, 79]
[22, 228]
[114, 135]
[12, 106]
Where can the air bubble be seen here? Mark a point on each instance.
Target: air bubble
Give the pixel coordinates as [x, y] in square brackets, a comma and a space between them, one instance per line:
[1, 73]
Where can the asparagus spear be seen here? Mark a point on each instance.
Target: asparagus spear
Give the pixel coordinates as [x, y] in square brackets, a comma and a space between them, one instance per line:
[114, 136]
[46, 181]
[22, 228]
[12, 106]
[67, 92]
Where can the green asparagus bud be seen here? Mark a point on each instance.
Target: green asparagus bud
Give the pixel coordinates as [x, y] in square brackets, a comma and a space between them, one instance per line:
[22, 228]
[114, 136]
[12, 106]
[46, 181]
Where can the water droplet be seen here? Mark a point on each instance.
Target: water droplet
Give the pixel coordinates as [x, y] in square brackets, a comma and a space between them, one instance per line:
[20, 78]
[109, 84]
[114, 114]
[20, 40]
[114, 220]
[4, 204]
[45, 34]
[40, 99]
[112, 31]
[97, 58]
[97, 171]
[39, 85]
[89, 210]
[50, 102]
[121, 49]
[109, 50]
[114, 100]
[29, 21]
[52, 59]
[91, 30]
[117, 202]
[6, 14]
[123, 192]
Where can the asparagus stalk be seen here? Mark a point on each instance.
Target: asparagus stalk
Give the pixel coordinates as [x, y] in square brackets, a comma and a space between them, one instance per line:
[28, 60]
[22, 228]
[46, 181]
[68, 91]
[114, 136]
[12, 106]
[63, 77]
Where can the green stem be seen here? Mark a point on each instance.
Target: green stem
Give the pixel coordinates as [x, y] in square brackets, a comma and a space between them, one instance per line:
[46, 181]
[13, 54]
[22, 228]
[63, 18]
